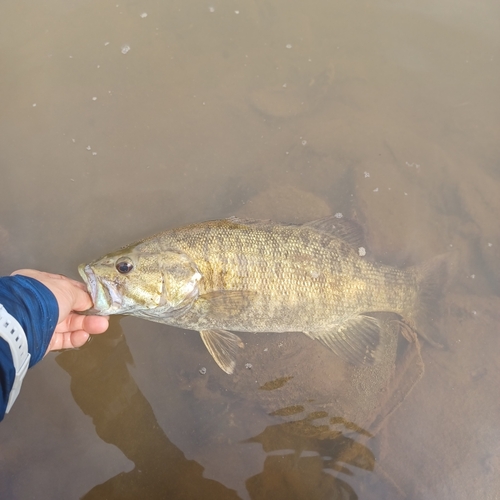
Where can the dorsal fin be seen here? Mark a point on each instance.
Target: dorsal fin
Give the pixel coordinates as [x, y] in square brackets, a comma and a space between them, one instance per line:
[253, 222]
[340, 227]
[334, 225]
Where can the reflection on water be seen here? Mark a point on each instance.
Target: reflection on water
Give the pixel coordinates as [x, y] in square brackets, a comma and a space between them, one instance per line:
[280, 110]
[103, 388]
[301, 455]
[305, 472]
[311, 453]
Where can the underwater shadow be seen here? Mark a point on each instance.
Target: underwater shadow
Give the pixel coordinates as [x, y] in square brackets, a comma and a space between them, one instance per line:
[104, 389]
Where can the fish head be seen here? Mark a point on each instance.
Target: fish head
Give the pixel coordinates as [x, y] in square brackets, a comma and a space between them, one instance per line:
[137, 282]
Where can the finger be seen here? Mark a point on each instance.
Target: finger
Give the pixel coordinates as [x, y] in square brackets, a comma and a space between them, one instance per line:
[78, 284]
[96, 324]
[81, 299]
[90, 324]
[77, 339]
[73, 282]
[68, 340]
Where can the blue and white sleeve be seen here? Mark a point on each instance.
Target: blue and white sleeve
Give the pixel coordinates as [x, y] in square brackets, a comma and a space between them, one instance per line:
[28, 317]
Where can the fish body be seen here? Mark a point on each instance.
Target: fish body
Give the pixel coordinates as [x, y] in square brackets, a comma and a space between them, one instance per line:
[239, 275]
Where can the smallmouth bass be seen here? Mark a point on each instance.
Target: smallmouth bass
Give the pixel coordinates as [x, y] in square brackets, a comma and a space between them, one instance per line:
[239, 275]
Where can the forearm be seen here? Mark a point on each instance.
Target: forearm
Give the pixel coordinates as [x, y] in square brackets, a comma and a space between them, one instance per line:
[32, 309]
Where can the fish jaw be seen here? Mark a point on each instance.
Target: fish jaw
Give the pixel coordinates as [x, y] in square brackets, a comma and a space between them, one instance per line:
[105, 297]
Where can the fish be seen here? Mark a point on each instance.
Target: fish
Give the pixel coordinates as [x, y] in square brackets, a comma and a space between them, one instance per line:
[244, 275]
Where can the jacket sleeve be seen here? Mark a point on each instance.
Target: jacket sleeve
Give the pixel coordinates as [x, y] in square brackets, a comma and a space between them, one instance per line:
[35, 308]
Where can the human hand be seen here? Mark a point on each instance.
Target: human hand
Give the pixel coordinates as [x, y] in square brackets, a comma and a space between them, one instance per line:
[72, 329]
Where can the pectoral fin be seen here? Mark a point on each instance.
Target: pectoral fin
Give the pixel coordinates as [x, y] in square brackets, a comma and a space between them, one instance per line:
[354, 340]
[223, 346]
[226, 303]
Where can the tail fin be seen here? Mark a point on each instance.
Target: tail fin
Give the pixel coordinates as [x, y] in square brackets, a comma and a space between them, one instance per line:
[431, 280]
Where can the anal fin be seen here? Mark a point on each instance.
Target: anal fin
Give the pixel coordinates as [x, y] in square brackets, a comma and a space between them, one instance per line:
[223, 346]
[355, 339]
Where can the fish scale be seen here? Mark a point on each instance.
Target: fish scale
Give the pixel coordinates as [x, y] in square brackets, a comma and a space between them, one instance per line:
[238, 275]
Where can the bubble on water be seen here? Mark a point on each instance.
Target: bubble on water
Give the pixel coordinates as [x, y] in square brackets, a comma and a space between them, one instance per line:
[284, 85]
[288, 45]
[490, 244]
[88, 148]
[304, 142]
[367, 174]
[236, 11]
[125, 49]
[375, 190]
[315, 274]
[248, 366]
[203, 370]
[211, 9]
[339, 215]
[144, 14]
[34, 104]
[106, 44]
[362, 251]
[472, 276]
[94, 153]
[94, 98]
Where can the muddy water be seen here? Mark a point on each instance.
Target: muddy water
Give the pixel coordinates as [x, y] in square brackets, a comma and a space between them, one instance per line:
[118, 119]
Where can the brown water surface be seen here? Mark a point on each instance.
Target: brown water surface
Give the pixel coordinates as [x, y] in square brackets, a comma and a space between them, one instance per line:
[118, 119]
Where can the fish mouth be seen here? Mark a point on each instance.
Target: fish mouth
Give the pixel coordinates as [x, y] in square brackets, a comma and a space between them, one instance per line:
[105, 298]
[89, 278]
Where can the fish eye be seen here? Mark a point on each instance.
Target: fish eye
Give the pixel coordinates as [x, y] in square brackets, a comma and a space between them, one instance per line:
[124, 265]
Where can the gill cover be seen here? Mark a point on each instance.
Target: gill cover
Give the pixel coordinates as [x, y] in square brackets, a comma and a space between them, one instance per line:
[180, 279]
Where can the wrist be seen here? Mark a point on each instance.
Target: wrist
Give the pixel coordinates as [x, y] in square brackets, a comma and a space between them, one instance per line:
[34, 307]
[12, 332]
